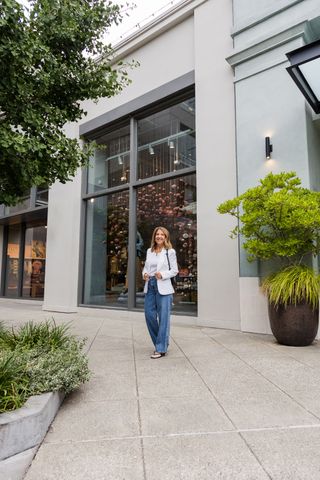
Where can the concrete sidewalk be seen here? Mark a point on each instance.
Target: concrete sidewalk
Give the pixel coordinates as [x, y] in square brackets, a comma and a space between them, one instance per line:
[221, 405]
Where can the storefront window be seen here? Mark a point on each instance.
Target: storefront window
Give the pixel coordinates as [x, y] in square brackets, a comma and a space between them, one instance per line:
[166, 140]
[107, 250]
[12, 262]
[159, 178]
[172, 204]
[110, 165]
[34, 262]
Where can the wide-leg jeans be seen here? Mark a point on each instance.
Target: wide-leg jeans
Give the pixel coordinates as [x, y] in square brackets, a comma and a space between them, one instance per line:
[157, 309]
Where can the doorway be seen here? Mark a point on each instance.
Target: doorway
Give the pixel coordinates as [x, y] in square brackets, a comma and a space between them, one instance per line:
[25, 260]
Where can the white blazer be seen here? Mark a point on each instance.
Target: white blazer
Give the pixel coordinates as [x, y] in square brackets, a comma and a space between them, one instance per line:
[164, 284]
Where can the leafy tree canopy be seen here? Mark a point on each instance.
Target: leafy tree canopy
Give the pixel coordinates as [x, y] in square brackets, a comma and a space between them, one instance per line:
[278, 218]
[47, 67]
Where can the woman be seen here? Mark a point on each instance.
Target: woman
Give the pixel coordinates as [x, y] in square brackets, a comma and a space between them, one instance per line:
[160, 267]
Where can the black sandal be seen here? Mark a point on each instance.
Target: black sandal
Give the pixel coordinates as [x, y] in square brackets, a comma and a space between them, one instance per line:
[157, 355]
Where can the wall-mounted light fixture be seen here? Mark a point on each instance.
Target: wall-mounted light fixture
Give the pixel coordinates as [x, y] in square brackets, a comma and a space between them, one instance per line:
[151, 150]
[269, 148]
[171, 144]
[305, 71]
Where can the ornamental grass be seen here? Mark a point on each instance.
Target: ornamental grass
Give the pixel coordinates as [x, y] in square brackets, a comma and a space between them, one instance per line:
[38, 358]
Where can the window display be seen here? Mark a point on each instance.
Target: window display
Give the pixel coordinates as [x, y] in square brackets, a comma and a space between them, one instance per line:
[172, 203]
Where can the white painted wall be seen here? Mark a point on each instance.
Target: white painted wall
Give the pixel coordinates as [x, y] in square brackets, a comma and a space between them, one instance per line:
[218, 284]
[63, 232]
[165, 58]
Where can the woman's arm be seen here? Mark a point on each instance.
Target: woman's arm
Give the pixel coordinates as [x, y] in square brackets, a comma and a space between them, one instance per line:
[173, 265]
[145, 270]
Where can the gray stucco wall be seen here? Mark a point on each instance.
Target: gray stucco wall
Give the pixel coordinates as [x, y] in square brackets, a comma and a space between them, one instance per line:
[268, 103]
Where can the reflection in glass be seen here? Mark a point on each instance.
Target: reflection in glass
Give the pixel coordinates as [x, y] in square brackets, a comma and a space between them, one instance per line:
[107, 250]
[166, 140]
[34, 262]
[42, 196]
[172, 204]
[110, 165]
[12, 262]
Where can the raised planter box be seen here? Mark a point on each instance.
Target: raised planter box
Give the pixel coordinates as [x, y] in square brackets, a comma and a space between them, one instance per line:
[22, 431]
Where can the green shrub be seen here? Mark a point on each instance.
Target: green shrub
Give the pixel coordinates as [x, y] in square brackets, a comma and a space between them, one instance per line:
[39, 358]
[62, 369]
[277, 219]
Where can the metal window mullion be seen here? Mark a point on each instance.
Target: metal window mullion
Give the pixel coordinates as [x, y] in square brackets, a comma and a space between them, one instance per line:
[165, 176]
[102, 193]
[132, 217]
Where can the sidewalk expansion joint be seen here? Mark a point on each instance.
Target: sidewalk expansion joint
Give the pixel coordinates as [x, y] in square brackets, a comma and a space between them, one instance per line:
[238, 431]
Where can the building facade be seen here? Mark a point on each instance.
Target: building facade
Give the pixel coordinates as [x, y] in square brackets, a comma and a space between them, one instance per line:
[185, 135]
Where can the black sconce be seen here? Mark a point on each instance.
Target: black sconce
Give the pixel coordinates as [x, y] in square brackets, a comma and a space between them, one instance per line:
[268, 148]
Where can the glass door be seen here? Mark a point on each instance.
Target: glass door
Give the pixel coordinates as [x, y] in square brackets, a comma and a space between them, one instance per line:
[12, 261]
[34, 262]
[25, 261]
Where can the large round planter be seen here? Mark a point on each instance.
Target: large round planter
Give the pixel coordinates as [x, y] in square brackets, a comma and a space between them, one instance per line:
[294, 325]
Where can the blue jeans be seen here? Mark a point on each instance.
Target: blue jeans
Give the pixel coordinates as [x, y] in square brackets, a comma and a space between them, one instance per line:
[157, 309]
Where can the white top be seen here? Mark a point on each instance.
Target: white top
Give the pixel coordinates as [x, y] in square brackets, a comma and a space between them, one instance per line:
[153, 263]
[162, 266]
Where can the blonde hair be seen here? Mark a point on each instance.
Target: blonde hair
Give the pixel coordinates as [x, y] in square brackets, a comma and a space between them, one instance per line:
[167, 242]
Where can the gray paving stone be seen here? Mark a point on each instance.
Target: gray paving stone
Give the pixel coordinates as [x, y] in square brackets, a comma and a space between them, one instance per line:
[250, 400]
[163, 415]
[110, 386]
[108, 460]
[290, 454]
[98, 420]
[201, 457]
[169, 376]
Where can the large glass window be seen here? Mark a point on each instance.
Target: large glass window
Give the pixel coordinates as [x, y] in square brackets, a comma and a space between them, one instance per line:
[110, 165]
[166, 140]
[134, 189]
[107, 249]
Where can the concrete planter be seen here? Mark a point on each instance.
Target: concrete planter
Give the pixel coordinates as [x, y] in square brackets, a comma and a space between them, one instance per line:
[22, 431]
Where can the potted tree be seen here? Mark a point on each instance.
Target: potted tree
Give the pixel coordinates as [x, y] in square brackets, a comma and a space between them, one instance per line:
[279, 219]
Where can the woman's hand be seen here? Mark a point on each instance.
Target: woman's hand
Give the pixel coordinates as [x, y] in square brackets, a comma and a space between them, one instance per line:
[145, 277]
[158, 275]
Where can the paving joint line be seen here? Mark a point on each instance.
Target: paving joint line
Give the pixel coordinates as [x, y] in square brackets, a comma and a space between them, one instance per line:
[97, 333]
[238, 431]
[206, 385]
[138, 404]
